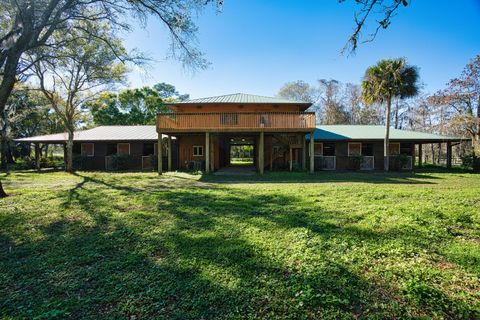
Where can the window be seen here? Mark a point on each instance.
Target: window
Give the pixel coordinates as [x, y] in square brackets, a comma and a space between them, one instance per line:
[318, 149]
[329, 149]
[229, 118]
[354, 149]
[123, 148]
[148, 149]
[406, 148]
[87, 149]
[111, 149]
[367, 149]
[394, 149]
[197, 151]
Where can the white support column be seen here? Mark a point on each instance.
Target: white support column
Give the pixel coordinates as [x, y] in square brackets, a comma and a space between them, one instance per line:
[207, 152]
[169, 153]
[312, 151]
[304, 152]
[261, 153]
[159, 154]
[290, 159]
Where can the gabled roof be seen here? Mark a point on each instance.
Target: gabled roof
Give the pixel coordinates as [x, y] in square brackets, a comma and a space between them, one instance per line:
[372, 132]
[242, 98]
[102, 133]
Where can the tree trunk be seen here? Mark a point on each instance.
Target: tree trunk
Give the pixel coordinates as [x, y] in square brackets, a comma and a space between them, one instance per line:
[3, 139]
[3, 194]
[69, 163]
[396, 115]
[9, 154]
[3, 153]
[386, 142]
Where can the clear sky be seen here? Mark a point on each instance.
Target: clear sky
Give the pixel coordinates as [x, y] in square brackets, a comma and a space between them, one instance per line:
[255, 46]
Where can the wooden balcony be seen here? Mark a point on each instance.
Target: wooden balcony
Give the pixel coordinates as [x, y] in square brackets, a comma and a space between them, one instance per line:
[236, 122]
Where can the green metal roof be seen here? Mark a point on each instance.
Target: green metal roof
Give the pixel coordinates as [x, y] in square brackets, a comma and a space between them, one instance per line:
[101, 133]
[365, 132]
[241, 98]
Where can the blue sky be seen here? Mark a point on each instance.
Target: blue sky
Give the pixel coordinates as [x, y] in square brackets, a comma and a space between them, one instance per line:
[255, 46]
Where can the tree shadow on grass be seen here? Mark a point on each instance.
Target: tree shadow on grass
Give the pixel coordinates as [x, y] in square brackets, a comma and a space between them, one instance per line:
[189, 253]
[327, 177]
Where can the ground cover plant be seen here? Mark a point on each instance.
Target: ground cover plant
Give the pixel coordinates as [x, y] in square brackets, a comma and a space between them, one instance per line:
[285, 245]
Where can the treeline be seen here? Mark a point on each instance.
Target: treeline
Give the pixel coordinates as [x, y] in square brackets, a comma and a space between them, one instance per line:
[454, 110]
[30, 113]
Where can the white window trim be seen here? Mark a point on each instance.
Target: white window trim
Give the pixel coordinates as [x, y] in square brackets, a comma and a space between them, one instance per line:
[317, 155]
[350, 143]
[93, 149]
[124, 143]
[391, 144]
[197, 155]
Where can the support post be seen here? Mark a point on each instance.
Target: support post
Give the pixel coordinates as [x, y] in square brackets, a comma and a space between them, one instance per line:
[290, 164]
[261, 153]
[212, 157]
[37, 156]
[159, 154]
[65, 156]
[207, 152]
[312, 150]
[439, 153]
[449, 155]
[169, 153]
[304, 152]
[420, 154]
[271, 159]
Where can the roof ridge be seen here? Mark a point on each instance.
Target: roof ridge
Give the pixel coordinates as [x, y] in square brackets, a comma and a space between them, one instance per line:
[240, 95]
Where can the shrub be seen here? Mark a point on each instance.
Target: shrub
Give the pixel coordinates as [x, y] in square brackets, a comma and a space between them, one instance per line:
[79, 162]
[355, 162]
[472, 162]
[121, 162]
[399, 161]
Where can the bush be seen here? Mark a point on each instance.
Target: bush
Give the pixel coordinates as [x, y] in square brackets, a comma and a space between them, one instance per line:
[355, 162]
[399, 161]
[79, 162]
[472, 162]
[121, 162]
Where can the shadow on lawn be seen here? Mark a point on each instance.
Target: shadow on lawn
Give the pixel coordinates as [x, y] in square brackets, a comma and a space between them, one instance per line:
[327, 177]
[186, 256]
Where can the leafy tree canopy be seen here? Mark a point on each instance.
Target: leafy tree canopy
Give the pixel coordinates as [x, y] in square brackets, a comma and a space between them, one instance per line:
[133, 106]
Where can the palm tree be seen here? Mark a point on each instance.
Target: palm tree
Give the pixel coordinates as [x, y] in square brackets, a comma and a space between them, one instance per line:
[389, 79]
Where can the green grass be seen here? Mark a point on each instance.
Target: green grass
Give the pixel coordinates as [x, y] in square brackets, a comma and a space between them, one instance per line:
[292, 245]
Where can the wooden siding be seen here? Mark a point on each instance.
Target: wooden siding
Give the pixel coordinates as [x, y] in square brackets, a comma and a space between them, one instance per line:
[343, 160]
[97, 162]
[236, 122]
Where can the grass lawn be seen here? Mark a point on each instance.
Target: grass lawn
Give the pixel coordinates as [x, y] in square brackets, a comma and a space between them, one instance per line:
[180, 246]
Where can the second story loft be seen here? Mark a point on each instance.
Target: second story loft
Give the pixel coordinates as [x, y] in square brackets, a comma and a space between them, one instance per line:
[237, 112]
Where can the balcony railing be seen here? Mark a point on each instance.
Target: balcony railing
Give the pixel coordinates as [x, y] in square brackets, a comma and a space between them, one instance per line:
[236, 121]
